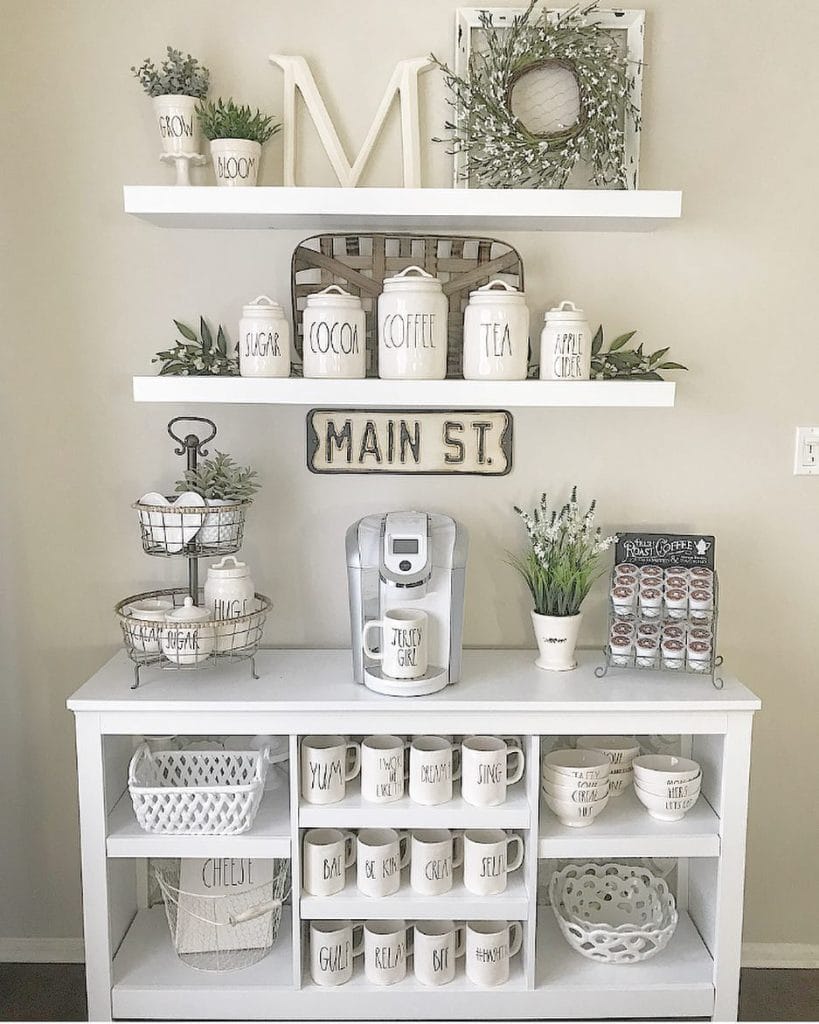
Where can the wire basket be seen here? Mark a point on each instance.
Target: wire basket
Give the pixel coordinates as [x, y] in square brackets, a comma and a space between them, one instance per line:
[196, 792]
[225, 932]
[192, 531]
[194, 644]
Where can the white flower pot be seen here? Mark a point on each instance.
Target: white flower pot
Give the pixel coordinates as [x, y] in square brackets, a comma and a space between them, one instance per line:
[235, 161]
[178, 123]
[556, 637]
[219, 529]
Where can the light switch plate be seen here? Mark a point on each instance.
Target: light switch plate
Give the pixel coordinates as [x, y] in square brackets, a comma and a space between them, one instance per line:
[806, 455]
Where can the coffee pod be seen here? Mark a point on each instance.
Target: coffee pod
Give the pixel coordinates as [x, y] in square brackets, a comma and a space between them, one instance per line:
[673, 653]
[651, 601]
[621, 648]
[701, 573]
[676, 602]
[699, 655]
[646, 651]
[649, 629]
[702, 633]
[625, 581]
[623, 599]
[676, 583]
[673, 632]
[701, 600]
[676, 570]
[648, 572]
[626, 568]
[622, 628]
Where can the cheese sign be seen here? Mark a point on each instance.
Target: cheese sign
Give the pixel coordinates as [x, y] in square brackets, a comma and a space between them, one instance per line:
[425, 441]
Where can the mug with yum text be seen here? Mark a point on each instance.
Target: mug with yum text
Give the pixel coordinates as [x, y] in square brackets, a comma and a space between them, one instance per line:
[328, 763]
[488, 766]
[404, 642]
[326, 855]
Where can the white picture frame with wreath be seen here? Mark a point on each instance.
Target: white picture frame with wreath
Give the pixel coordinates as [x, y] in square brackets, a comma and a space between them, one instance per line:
[628, 25]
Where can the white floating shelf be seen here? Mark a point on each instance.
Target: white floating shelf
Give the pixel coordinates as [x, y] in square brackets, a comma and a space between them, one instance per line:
[624, 828]
[269, 837]
[444, 394]
[394, 209]
[457, 904]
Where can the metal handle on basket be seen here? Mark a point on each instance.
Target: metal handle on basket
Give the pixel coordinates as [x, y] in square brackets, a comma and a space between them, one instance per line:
[142, 751]
[254, 912]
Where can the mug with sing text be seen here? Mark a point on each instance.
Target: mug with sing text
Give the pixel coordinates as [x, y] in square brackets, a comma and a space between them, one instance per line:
[488, 766]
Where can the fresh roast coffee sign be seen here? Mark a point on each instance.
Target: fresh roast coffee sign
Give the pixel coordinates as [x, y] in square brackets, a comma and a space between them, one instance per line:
[425, 441]
[665, 549]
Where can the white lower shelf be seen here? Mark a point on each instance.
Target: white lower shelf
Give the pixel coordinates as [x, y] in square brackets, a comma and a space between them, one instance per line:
[269, 837]
[624, 828]
[458, 903]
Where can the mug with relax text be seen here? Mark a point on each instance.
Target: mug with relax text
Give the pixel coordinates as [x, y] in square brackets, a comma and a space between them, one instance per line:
[436, 852]
[404, 642]
[488, 766]
[436, 947]
[382, 768]
[327, 765]
[381, 855]
[490, 945]
[386, 948]
[489, 855]
[333, 947]
[326, 855]
[434, 763]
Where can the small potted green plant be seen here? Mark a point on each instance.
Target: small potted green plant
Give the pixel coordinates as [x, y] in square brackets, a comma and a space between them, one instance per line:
[176, 86]
[221, 482]
[559, 568]
[236, 136]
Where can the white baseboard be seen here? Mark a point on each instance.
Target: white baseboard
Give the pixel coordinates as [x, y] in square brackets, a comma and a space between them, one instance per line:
[41, 951]
[794, 955]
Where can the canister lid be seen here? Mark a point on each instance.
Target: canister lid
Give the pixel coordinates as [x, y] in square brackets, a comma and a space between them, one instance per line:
[407, 279]
[262, 306]
[228, 567]
[334, 295]
[189, 612]
[496, 291]
[566, 311]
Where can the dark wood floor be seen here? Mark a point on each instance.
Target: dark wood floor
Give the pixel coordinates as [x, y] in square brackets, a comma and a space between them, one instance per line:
[56, 992]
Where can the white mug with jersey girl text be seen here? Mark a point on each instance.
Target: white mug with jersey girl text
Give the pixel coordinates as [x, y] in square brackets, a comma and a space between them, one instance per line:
[434, 764]
[382, 854]
[382, 768]
[327, 765]
[404, 642]
[436, 852]
[488, 766]
[489, 855]
[333, 947]
[490, 945]
[326, 855]
[436, 947]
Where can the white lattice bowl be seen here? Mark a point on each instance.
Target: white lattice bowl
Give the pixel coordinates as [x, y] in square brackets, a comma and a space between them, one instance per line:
[613, 913]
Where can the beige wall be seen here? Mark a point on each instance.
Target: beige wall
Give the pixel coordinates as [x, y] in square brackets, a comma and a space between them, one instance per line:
[88, 296]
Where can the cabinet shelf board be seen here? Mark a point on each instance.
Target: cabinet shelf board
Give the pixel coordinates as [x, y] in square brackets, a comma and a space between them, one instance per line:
[445, 394]
[150, 981]
[624, 828]
[394, 209]
[269, 837]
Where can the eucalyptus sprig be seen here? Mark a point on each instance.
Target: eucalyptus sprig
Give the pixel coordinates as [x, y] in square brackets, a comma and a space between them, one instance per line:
[618, 362]
[177, 75]
[201, 356]
[223, 119]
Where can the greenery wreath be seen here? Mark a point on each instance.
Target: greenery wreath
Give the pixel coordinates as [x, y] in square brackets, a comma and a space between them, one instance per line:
[501, 152]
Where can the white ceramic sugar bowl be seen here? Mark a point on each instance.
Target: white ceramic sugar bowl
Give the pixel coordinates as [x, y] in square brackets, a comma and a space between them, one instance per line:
[412, 327]
[264, 339]
[334, 335]
[188, 637]
[565, 344]
[229, 594]
[496, 333]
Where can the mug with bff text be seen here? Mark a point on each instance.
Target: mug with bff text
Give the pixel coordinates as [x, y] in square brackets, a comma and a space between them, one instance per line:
[436, 947]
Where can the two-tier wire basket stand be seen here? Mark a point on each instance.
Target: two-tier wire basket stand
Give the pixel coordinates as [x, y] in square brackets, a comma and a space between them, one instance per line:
[156, 626]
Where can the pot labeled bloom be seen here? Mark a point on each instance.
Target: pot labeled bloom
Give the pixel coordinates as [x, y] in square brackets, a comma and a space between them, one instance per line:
[559, 568]
[175, 87]
[236, 137]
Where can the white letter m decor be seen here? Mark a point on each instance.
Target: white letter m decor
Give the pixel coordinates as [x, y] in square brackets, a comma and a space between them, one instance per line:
[404, 81]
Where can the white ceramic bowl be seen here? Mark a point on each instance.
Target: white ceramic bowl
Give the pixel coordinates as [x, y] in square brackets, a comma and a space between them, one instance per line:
[620, 750]
[574, 795]
[579, 764]
[664, 808]
[575, 815]
[664, 767]
[671, 789]
[619, 782]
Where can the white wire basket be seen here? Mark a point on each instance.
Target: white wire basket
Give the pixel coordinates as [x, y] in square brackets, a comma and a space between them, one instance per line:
[613, 913]
[197, 792]
[227, 932]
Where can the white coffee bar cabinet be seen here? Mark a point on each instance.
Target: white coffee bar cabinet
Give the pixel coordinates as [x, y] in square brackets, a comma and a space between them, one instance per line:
[133, 971]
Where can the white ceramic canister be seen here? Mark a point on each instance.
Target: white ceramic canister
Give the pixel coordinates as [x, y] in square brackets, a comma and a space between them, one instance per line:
[264, 339]
[412, 327]
[334, 339]
[235, 161]
[229, 594]
[177, 122]
[496, 333]
[188, 636]
[565, 344]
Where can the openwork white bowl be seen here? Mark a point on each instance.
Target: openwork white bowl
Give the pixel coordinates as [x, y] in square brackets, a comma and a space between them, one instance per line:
[613, 913]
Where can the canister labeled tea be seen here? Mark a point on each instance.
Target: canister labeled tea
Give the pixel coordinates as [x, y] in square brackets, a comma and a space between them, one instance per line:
[334, 335]
[565, 344]
[412, 327]
[496, 333]
[264, 340]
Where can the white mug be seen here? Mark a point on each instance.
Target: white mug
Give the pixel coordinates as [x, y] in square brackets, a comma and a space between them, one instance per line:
[486, 769]
[488, 858]
[382, 768]
[386, 948]
[436, 947]
[326, 855]
[382, 854]
[327, 765]
[434, 763]
[403, 653]
[436, 852]
[333, 947]
[489, 947]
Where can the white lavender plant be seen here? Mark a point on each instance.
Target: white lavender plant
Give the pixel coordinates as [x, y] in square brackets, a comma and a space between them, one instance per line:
[561, 564]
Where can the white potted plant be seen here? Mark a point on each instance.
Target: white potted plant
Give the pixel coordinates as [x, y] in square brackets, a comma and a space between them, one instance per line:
[559, 568]
[176, 86]
[236, 136]
[223, 484]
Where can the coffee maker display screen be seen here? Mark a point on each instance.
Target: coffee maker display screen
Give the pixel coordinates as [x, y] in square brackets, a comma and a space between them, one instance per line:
[405, 546]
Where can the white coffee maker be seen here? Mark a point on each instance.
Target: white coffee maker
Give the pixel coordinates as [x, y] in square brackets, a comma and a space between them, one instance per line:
[418, 559]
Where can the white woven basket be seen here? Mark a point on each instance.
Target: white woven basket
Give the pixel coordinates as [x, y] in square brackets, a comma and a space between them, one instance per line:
[613, 913]
[196, 792]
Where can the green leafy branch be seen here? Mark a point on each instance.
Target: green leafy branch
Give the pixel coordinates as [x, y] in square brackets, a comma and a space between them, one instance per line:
[225, 120]
[199, 356]
[617, 361]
